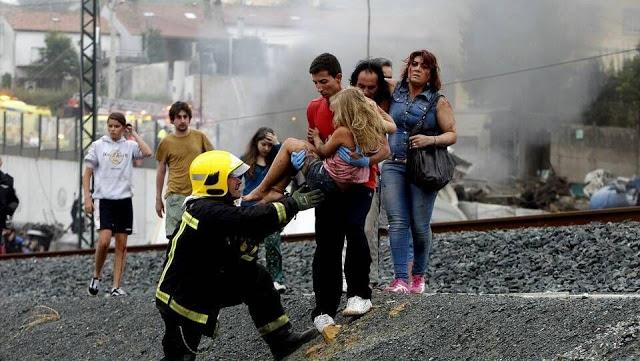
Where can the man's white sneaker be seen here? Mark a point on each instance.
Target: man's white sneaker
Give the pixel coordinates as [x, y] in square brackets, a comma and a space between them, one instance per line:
[279, 287]
[357, 306]
[322, 321]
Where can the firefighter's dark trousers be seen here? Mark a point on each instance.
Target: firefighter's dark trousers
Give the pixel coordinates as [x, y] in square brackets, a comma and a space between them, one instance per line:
[249, 283]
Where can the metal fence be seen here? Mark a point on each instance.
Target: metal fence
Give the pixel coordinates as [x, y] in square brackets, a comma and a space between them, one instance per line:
[32, 135]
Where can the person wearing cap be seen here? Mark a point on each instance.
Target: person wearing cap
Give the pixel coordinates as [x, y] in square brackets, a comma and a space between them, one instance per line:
[213, 249]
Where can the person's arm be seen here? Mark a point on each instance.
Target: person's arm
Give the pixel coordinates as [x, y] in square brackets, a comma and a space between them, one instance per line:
[340, 136]
[311, 123]
[161, 171]
[275, 147]
[392, 85]
[13, 202]
[381, 154]
[357, 159]
[206, 144]
[388, 124]
[447, 124]
[86, 181]
[264, 218]
[144, 148]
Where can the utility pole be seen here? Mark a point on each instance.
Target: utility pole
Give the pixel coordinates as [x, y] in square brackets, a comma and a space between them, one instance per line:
[89, 46]
[111, 83]
[368, 29]
[201, 108]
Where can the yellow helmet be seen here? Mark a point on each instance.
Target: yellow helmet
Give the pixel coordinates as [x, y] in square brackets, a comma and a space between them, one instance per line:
[209, 172]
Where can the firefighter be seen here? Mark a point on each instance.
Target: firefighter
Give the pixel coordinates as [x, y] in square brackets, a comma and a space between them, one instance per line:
[211, 261]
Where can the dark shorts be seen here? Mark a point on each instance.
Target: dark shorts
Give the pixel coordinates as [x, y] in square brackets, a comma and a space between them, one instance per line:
[114, 214]
[317, 177]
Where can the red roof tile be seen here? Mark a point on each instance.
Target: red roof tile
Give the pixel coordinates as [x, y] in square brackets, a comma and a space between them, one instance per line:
[171, 21]
[48, 21]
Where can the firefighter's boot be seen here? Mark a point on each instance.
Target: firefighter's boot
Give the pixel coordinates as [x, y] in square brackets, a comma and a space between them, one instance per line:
[283, 342]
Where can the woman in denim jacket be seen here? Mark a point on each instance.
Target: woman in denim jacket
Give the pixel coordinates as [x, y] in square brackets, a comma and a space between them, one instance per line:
[409, 207]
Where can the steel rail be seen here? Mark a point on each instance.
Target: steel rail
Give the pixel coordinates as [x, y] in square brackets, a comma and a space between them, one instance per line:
[614, 215]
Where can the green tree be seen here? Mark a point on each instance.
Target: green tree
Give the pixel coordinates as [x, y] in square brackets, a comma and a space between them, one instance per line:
[6, 80]
[58, 61]
[155, 46]
[618, 103]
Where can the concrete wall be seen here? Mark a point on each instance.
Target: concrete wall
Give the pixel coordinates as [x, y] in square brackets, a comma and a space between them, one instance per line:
[47, 188]
[577, 150]
[145, 80]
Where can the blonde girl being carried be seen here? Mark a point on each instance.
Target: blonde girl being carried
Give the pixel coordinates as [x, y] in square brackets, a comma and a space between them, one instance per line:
[358, 126]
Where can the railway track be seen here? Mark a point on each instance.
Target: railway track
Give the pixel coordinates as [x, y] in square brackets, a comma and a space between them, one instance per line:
[543, 220]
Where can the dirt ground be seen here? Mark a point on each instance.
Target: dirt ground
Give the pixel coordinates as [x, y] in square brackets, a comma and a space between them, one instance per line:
[486, 301]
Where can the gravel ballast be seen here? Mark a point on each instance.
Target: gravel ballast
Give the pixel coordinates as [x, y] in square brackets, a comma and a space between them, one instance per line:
[462, 320]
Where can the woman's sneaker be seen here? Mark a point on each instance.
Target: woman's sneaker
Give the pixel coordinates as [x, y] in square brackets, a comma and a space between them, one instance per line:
[94, 286]
[398, 285]
[417, 284]
[115, 292]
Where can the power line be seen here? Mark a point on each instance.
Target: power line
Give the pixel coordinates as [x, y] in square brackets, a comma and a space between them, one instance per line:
[486, 77]
[260, 115]
[51, 63]
[541, 67]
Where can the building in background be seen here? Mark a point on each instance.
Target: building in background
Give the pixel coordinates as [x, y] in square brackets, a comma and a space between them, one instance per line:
[22, 38]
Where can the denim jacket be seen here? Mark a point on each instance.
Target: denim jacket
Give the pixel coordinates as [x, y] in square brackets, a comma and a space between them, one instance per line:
[406, 113]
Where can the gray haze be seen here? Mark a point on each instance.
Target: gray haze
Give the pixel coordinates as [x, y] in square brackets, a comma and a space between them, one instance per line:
[472, 39]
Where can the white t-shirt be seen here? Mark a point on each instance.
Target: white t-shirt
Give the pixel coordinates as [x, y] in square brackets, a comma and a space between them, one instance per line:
[112, 164]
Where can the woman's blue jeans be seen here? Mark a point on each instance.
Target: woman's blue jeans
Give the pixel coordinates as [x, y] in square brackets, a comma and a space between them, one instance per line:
[409, 210]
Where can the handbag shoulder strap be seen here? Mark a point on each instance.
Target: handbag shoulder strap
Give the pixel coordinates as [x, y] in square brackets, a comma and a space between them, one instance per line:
[416, 129]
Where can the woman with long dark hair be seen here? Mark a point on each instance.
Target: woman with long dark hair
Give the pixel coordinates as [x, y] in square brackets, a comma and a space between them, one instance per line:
[261, 151]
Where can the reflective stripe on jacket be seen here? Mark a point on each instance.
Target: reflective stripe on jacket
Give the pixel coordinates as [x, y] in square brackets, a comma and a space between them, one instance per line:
[215, 241]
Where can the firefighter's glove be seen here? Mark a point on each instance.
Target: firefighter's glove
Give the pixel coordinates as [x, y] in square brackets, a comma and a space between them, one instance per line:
[306, 198]
[297, 158]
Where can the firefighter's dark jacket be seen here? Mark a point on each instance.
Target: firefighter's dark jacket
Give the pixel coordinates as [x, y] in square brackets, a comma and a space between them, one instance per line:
[216, 240]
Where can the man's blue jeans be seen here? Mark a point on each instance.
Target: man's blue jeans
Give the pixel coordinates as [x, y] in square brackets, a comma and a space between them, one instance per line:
[409, 210]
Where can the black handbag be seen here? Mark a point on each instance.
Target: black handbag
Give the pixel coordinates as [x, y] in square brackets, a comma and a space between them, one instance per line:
[430, 167]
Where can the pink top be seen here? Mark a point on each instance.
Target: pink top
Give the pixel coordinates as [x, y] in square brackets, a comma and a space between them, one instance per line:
[342, 172]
